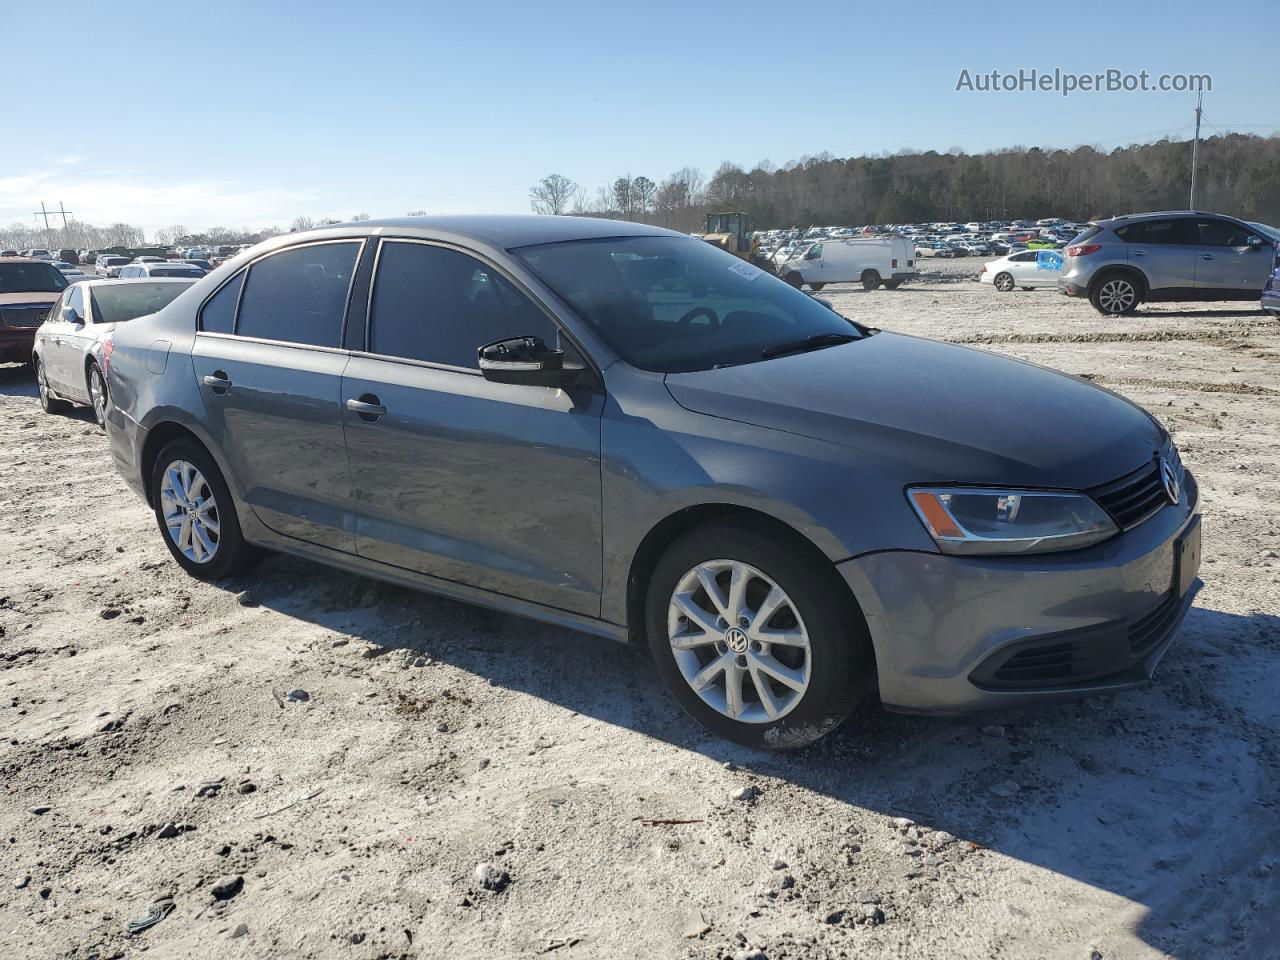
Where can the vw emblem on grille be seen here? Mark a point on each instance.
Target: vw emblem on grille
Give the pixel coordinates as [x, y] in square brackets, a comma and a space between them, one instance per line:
[1169, 477]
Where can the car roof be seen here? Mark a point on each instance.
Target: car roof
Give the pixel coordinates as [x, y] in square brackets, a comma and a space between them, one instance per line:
[1157, 214]
[131, 281]
[507, 231]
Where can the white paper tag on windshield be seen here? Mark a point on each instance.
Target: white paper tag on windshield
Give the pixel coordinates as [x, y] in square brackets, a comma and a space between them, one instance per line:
[745, 270]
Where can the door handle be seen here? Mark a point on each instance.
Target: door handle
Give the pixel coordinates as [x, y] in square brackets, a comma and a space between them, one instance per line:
[57, 339]
[368, 407]
[1139, 253]
[217, 381]
[1206, 256]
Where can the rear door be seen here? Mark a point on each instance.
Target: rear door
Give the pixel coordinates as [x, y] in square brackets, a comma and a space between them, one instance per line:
[1159, 248]
[268, 362]
[1225, 261]
[488, 484]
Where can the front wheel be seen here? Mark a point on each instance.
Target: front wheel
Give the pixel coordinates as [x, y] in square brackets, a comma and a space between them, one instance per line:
[794, 279]
[756, 636]
[196, 515]
[98, 395]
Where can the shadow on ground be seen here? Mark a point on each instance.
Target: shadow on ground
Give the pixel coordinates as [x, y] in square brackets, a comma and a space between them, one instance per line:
[1140, 795]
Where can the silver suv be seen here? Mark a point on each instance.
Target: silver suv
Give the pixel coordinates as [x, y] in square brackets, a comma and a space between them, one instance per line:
[1173, 255]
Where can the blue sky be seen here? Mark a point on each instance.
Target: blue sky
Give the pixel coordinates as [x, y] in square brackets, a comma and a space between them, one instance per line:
[246, 114]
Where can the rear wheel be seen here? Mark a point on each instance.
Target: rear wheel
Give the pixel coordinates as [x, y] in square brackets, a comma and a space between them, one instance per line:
[196, 515]
[1004, 282]
[98, 394]
[815, 287]
[892, 284]
[1115, 295]
[870, 280]
[756, 636]
[49, 401]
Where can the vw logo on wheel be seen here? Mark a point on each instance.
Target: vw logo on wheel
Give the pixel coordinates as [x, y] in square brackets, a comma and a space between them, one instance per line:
[1169, 477]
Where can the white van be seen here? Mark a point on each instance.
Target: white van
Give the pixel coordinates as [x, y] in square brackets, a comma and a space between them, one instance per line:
[870, 261]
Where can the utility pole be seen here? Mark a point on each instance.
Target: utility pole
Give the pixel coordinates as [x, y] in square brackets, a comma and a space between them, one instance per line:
[1195, 150]
[45, 213]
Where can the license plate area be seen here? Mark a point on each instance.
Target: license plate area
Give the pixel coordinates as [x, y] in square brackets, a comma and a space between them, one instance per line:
[1186, 558]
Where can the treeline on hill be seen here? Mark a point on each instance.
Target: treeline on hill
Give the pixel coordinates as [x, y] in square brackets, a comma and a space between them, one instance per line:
[1239, 174]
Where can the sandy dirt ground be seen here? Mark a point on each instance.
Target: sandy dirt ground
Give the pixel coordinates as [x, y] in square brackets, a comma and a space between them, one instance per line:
[459, 783]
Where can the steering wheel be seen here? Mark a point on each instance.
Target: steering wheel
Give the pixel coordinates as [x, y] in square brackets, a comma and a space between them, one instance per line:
[699, 311]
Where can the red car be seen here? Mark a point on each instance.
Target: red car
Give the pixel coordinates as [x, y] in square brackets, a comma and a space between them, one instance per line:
[28, 288]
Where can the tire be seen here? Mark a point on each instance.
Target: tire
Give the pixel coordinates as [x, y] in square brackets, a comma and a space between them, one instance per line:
[1115, 295]
[96, 387]
[231, 554]
[49, 401]
[815, 287]
[1027, 288]
[892, 284]
[1003, 282]
[836, 668]
[794, 279]
[870, 280]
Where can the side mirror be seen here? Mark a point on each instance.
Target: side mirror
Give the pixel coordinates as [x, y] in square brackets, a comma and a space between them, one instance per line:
[526, 361]
[71, 315]
[1257, 243]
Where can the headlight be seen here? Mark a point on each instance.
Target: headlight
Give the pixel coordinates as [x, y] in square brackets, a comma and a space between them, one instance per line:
[968, 520]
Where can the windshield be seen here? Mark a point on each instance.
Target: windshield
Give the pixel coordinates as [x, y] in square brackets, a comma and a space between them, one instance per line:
[176, 272]
[120, 302]
[1270, 232]
[112, 261]
[34, 277]
[676, 304]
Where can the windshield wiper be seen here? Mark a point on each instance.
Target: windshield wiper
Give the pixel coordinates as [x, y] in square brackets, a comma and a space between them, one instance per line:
[815, 342]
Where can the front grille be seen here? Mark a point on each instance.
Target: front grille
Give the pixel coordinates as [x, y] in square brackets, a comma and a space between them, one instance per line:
[1048, 664]
[1134, 497]
[1146, 632]
[23, 316]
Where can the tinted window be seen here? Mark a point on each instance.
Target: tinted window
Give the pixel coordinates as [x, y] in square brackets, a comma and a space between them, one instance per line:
[299, 295]
[1221, 233]
[435, 304]
[674, 304]
[73, 298]
[219, 314]
[1153, 231]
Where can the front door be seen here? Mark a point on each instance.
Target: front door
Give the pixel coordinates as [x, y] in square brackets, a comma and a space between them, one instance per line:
[1160, 249]
[487, 484]
[270, 375]
[1226, 262]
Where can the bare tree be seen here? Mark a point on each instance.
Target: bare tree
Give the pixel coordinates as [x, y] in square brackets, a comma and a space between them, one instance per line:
[359, 217]
[301, 223]
[416, 213]
[553, 194]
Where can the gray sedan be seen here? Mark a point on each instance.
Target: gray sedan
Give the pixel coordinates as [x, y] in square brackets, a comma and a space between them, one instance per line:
[626, 431]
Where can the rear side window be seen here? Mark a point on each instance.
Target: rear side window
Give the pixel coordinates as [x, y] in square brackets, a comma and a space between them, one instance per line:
[435, 304]
[1153, 231]
[219, 313]
[299, 295]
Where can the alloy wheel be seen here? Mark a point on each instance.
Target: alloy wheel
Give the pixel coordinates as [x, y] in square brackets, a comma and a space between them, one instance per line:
[1117, 296]
[190, 511]
[739, 641]
[98, 395]
[1004, 283]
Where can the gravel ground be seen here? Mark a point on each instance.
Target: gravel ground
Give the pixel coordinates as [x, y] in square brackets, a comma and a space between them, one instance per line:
[453, 782]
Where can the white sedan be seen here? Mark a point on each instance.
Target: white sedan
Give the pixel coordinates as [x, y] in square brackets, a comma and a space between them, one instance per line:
[69, 270]
[1027, 269]
[68, 346]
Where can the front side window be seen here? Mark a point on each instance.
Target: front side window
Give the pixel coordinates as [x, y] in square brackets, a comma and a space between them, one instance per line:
[814, 252]
[1221, 233]
[299, 295]
[219, 313]
[440, 305]
[675, 304]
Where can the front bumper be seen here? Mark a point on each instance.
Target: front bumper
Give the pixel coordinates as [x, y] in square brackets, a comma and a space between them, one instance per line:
[958, 634]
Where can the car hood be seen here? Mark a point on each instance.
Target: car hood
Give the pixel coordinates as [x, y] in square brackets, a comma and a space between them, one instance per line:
[936, 412]
[14, 299]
